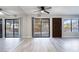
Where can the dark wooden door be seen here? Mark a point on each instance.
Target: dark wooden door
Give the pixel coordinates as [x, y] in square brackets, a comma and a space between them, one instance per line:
[57, 27]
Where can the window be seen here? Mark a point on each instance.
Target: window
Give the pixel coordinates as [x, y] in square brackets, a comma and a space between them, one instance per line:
[67, 25]
[74, 25]
[71, 25]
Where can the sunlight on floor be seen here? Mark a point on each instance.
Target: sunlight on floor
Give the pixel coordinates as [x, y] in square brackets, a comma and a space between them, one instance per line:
[71, 45]
[36, 45]
[66, 45]
[8, 44]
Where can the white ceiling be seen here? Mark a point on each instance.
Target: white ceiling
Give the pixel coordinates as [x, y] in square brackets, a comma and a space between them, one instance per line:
[16, 10]
[56, 10]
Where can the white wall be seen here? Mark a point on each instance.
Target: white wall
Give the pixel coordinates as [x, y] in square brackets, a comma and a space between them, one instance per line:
[29, 27]
[26, 26]
[23, 27]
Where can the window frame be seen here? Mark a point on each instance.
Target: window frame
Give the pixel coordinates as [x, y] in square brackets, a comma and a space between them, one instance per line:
[71, 19]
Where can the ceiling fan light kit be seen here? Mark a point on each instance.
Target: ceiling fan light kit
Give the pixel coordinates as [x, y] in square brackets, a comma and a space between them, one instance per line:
[42, 11]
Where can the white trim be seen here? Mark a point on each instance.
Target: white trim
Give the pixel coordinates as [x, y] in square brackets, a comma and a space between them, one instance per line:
[71, 36]
[25, 36]
[20, 27]
[3, 27]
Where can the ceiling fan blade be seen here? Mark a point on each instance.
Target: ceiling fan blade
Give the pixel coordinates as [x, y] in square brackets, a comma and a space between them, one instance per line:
[5, 13]
[48, 7]
[46, 11]
[39, 7]
[37, 10]
[8, 13]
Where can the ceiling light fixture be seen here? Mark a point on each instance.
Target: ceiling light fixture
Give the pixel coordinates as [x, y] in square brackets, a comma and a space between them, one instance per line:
[42, 11]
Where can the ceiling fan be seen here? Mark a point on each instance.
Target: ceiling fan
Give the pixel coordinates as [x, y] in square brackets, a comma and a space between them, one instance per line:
[43, 9]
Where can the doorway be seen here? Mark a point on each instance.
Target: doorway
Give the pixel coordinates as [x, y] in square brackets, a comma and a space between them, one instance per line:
[57, 27]
[41, 27]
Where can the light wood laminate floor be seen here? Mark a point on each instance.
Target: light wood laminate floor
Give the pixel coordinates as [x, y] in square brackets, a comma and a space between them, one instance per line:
[66, 44]
[39, 45]
[36, 45]
[9, 44]
[49, 45]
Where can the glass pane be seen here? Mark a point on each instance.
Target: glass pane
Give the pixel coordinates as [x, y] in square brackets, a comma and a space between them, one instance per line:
[45, 27]
[37, 27]
[75, 25]
[41, 27]
[9, 28]
[1, 28]
[67, 25]
[16, 28]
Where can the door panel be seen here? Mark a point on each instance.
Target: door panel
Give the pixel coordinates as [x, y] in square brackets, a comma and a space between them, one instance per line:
[37, 27]
[45, 27]
[9, 28]
[1, 28]
[57, 27]
[16, 28]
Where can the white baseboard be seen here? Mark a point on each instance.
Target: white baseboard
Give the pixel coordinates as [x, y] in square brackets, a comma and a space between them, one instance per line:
[70, 36]
[25, 37]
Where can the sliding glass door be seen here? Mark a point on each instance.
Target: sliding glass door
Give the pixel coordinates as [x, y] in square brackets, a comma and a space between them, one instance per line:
[45, 27]
[11, 28]
[37, 27]
[1, 32]
[16, 28]
[41, 27]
